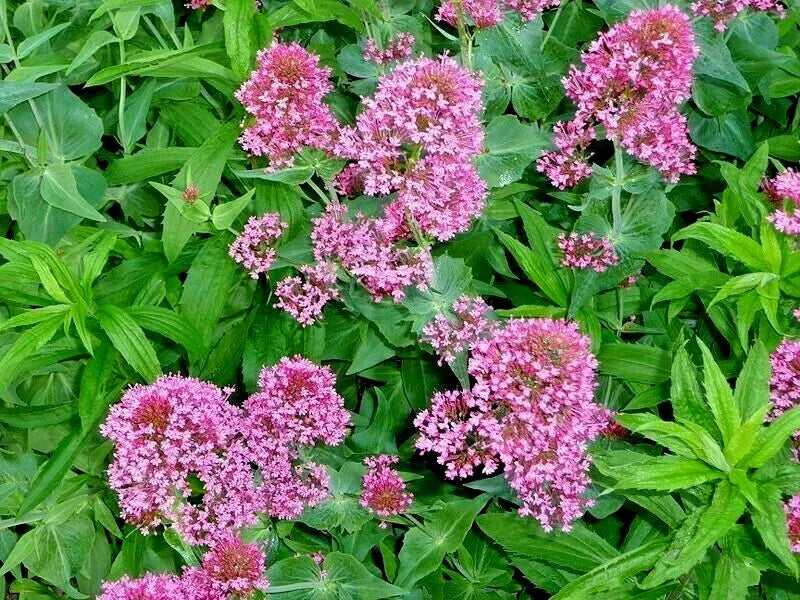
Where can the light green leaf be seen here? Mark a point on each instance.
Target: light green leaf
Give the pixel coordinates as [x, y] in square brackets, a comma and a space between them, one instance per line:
[60, 190]
[719, 395]
[129, 339]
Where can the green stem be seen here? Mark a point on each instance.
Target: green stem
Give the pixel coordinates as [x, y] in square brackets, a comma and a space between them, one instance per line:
[552, 27]
[464, 37]
[292, 587]
[323, 196]
[122, 93]
[616, 191]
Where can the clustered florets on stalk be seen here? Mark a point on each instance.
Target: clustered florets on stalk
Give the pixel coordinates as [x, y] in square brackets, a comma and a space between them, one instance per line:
[635, 76]
[398, 47]
[231, 568]
[784, 190]
[254, 248]
[488, 13]
[450, 336]
[785, 382]
[183, 453]
[723, 11]
[383, 492]
[531, 409]
[587, 251]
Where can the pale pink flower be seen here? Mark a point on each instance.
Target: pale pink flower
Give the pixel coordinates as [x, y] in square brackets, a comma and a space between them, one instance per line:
[450, 336]
[482, 13]
[723, 11]
[168, 432]
[305, 299]
[587, 251]
[197, 4]
[365, 248]
[398, 47]
[254, 248]
[150, 587]
[792, 508]
[634, 78]
[285, 95]
[784, 190]
[383, 492]
[530, 9]
[796, 314]
[785, 383]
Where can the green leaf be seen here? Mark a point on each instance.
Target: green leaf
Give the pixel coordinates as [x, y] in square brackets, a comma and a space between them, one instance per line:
[699, 532]
[635, 362]
[773, 438]
[93, 43]
[770, 522]
[291, 175]
[685, 394]
[240, 41]
[174, 539]
[612, 574]
[537, 268]
[92, 397]
[34, 315]
[510, 148]
[719, 395]
[169, 324]
[24, 346]
[732, 578]
[12, 93]
[60, 190]
[665, 473]
[579, 550]
[149, 162]
[60, 551]
[422, 551]
[29, 44]
[752, 385]
[225, 214]
[728, 242]
[30, 417]
[129, 339]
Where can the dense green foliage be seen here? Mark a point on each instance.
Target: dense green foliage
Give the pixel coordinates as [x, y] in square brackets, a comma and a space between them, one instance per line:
[107, 278]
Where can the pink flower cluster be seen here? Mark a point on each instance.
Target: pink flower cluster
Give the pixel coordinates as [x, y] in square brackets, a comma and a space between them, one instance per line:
[197, 4]
[635, 77]
[417, 136]
[231, 569]
[784, 189]
[792, 508]
[723, 11]
[365, 248]
[253, 249]
[587, 251]
[785, 382]
[397, 48]
[285, 96]
[305, 300]
[488, 13]
[296, 406]
[180, 439]
[451, 336]
[530, 409]
[383, 492]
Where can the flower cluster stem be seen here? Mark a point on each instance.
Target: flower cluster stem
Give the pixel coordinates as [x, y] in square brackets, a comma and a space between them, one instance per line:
[616, 191]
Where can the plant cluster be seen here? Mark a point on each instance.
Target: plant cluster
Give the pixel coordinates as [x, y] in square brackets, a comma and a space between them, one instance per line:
[355, 299]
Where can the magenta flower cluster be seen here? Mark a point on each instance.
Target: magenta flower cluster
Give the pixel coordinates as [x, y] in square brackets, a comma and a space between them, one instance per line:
[305, 299]
[383, 492]
[197, 4]
[587, 251]
[417, 136]
[488, 13]
[230, 569]
[784, 190]
[365, 247]
[254, 248]
[285, 96]
[180, 439]
[531, 409]
[634, 79]
[723, 11]
[792, 509]
[785, 382]
[398, 47]
[451, 335]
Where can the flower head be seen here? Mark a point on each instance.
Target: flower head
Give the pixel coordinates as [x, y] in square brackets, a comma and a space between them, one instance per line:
[383, 492]
[784, 190]
[230, 567]
[285, 96]
[587, 251]
[167, 435]
[450, 336]
[785, 382]
[634, 78]
[150, 587]
[197, 4]
[305, 299]
[792, 508]
[400, 46]
[253, 249]
[530, 9]
[723, 11]
[482, 13]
